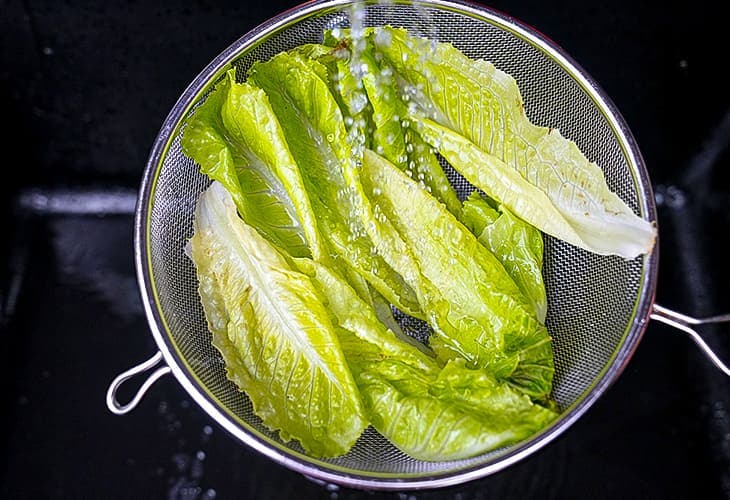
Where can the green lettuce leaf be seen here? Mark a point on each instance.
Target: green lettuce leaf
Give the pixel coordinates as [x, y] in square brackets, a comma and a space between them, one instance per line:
[429, 411]
[273, 331]
[392, 136]
[317, 137]
[347, 88]
[452, 414]
[312, 51]
[529, 202]
[517, 245]
[475, 308]
[264, 178]
[351, 313]
[253, 163]
[473, 99]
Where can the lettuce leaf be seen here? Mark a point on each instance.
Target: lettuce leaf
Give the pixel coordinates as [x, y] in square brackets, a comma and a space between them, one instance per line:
[253, 163]
[475, 118]
[273, 331]
[317, 137]
[429, 411]
[517, 245]
[350, 312]
[264, 179]
[475, 308]
[391, 136]
[604, 233]
[451, 414]
[348, 90]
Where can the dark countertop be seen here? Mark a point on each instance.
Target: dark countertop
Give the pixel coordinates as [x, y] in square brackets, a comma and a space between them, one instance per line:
[88, 85]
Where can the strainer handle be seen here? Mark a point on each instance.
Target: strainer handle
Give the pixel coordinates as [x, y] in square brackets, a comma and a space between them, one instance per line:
[111, 394]
[685, 323]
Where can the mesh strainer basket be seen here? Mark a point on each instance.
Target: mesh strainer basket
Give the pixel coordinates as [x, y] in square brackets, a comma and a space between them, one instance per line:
[598, 306]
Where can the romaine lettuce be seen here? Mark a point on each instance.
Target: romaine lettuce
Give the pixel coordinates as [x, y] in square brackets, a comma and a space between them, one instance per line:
[317, 137]
[326, 152]
[273, 331]
[477, 311]
[474, 116]
[517, 245]
[391, 136]
[253, 163]
[427, 410]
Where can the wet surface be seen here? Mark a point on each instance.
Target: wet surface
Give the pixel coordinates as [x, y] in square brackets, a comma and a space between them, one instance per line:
[85, 107]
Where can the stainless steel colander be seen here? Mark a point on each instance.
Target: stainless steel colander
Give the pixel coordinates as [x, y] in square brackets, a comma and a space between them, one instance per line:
[599, 306]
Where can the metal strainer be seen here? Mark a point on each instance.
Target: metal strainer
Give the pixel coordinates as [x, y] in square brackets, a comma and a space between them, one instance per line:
[598, 306]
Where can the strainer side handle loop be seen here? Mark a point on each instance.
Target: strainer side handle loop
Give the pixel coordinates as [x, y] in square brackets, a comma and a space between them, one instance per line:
[111, 394]
[685, 323]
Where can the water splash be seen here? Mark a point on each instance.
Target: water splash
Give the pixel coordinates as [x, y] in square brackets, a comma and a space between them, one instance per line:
[670, 196]
[186, 468]
[333, 490]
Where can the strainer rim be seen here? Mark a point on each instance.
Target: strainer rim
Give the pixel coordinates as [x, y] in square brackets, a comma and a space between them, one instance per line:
[324, 471]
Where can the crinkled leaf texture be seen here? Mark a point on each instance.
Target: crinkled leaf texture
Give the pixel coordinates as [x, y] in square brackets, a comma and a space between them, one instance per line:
[273, 331]
[475, 308]
[316, 134]
[429, 411]
[517, 245]
[475, 117]
[253, 163]
[392, 135]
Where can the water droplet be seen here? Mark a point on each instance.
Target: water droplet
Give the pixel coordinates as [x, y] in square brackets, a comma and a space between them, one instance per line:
[671, 196]
[181, 461]
[383, 38]
[189, 492]
[358, 102]
[196, 470]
